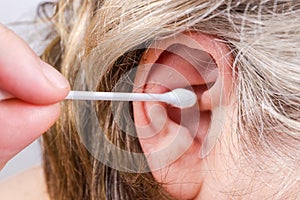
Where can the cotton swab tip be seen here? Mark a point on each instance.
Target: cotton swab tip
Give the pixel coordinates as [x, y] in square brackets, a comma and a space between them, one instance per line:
[182, 98]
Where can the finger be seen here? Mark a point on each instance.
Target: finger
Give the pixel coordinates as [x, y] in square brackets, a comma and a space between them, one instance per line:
[21, 123]
[24, 75]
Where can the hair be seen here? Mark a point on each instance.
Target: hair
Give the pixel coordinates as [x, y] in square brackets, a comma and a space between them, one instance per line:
[104, 39]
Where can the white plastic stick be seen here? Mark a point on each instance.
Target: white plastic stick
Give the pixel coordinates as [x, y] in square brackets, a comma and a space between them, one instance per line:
[180, 98]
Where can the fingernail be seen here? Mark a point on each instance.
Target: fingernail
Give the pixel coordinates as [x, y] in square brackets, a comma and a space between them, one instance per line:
[53, 76]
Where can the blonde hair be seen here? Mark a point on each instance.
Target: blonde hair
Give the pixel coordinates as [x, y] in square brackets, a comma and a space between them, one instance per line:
[106, 38]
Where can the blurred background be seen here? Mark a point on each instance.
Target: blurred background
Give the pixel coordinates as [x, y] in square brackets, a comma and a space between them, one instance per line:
[13, 11]
[17, 10]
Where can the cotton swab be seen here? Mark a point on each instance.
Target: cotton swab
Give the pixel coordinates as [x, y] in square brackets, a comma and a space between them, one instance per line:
[180, 98]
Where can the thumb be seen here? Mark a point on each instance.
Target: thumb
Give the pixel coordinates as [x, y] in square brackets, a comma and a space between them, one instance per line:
[21, 123]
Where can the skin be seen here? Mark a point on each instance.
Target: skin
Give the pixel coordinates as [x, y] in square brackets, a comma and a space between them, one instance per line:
[29, 185]
[38, 88]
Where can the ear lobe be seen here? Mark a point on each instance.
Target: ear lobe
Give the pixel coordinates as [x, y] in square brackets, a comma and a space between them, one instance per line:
[172, 138]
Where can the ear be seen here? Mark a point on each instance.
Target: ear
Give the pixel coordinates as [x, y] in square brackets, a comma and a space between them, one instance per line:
[172, 138]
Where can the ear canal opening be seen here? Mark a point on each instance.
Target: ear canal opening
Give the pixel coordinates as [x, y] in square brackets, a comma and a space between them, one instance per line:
[196, 119]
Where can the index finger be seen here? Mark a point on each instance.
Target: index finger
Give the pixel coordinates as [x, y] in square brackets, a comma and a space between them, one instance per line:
[24, 75]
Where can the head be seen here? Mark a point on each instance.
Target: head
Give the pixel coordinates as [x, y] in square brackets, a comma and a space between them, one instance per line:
[241, 139]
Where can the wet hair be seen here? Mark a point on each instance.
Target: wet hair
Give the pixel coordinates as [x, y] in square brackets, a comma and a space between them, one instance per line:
[98, 41]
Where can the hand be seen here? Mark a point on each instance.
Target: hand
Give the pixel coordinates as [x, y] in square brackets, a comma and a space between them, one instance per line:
[38, 88]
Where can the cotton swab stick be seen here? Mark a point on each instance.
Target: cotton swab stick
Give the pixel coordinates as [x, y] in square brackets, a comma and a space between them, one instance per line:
[180, 98]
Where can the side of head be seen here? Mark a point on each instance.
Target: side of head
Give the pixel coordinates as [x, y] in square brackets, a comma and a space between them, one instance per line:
[240, 140]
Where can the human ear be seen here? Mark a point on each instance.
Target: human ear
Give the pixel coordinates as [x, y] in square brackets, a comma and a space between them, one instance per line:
[173, 139]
